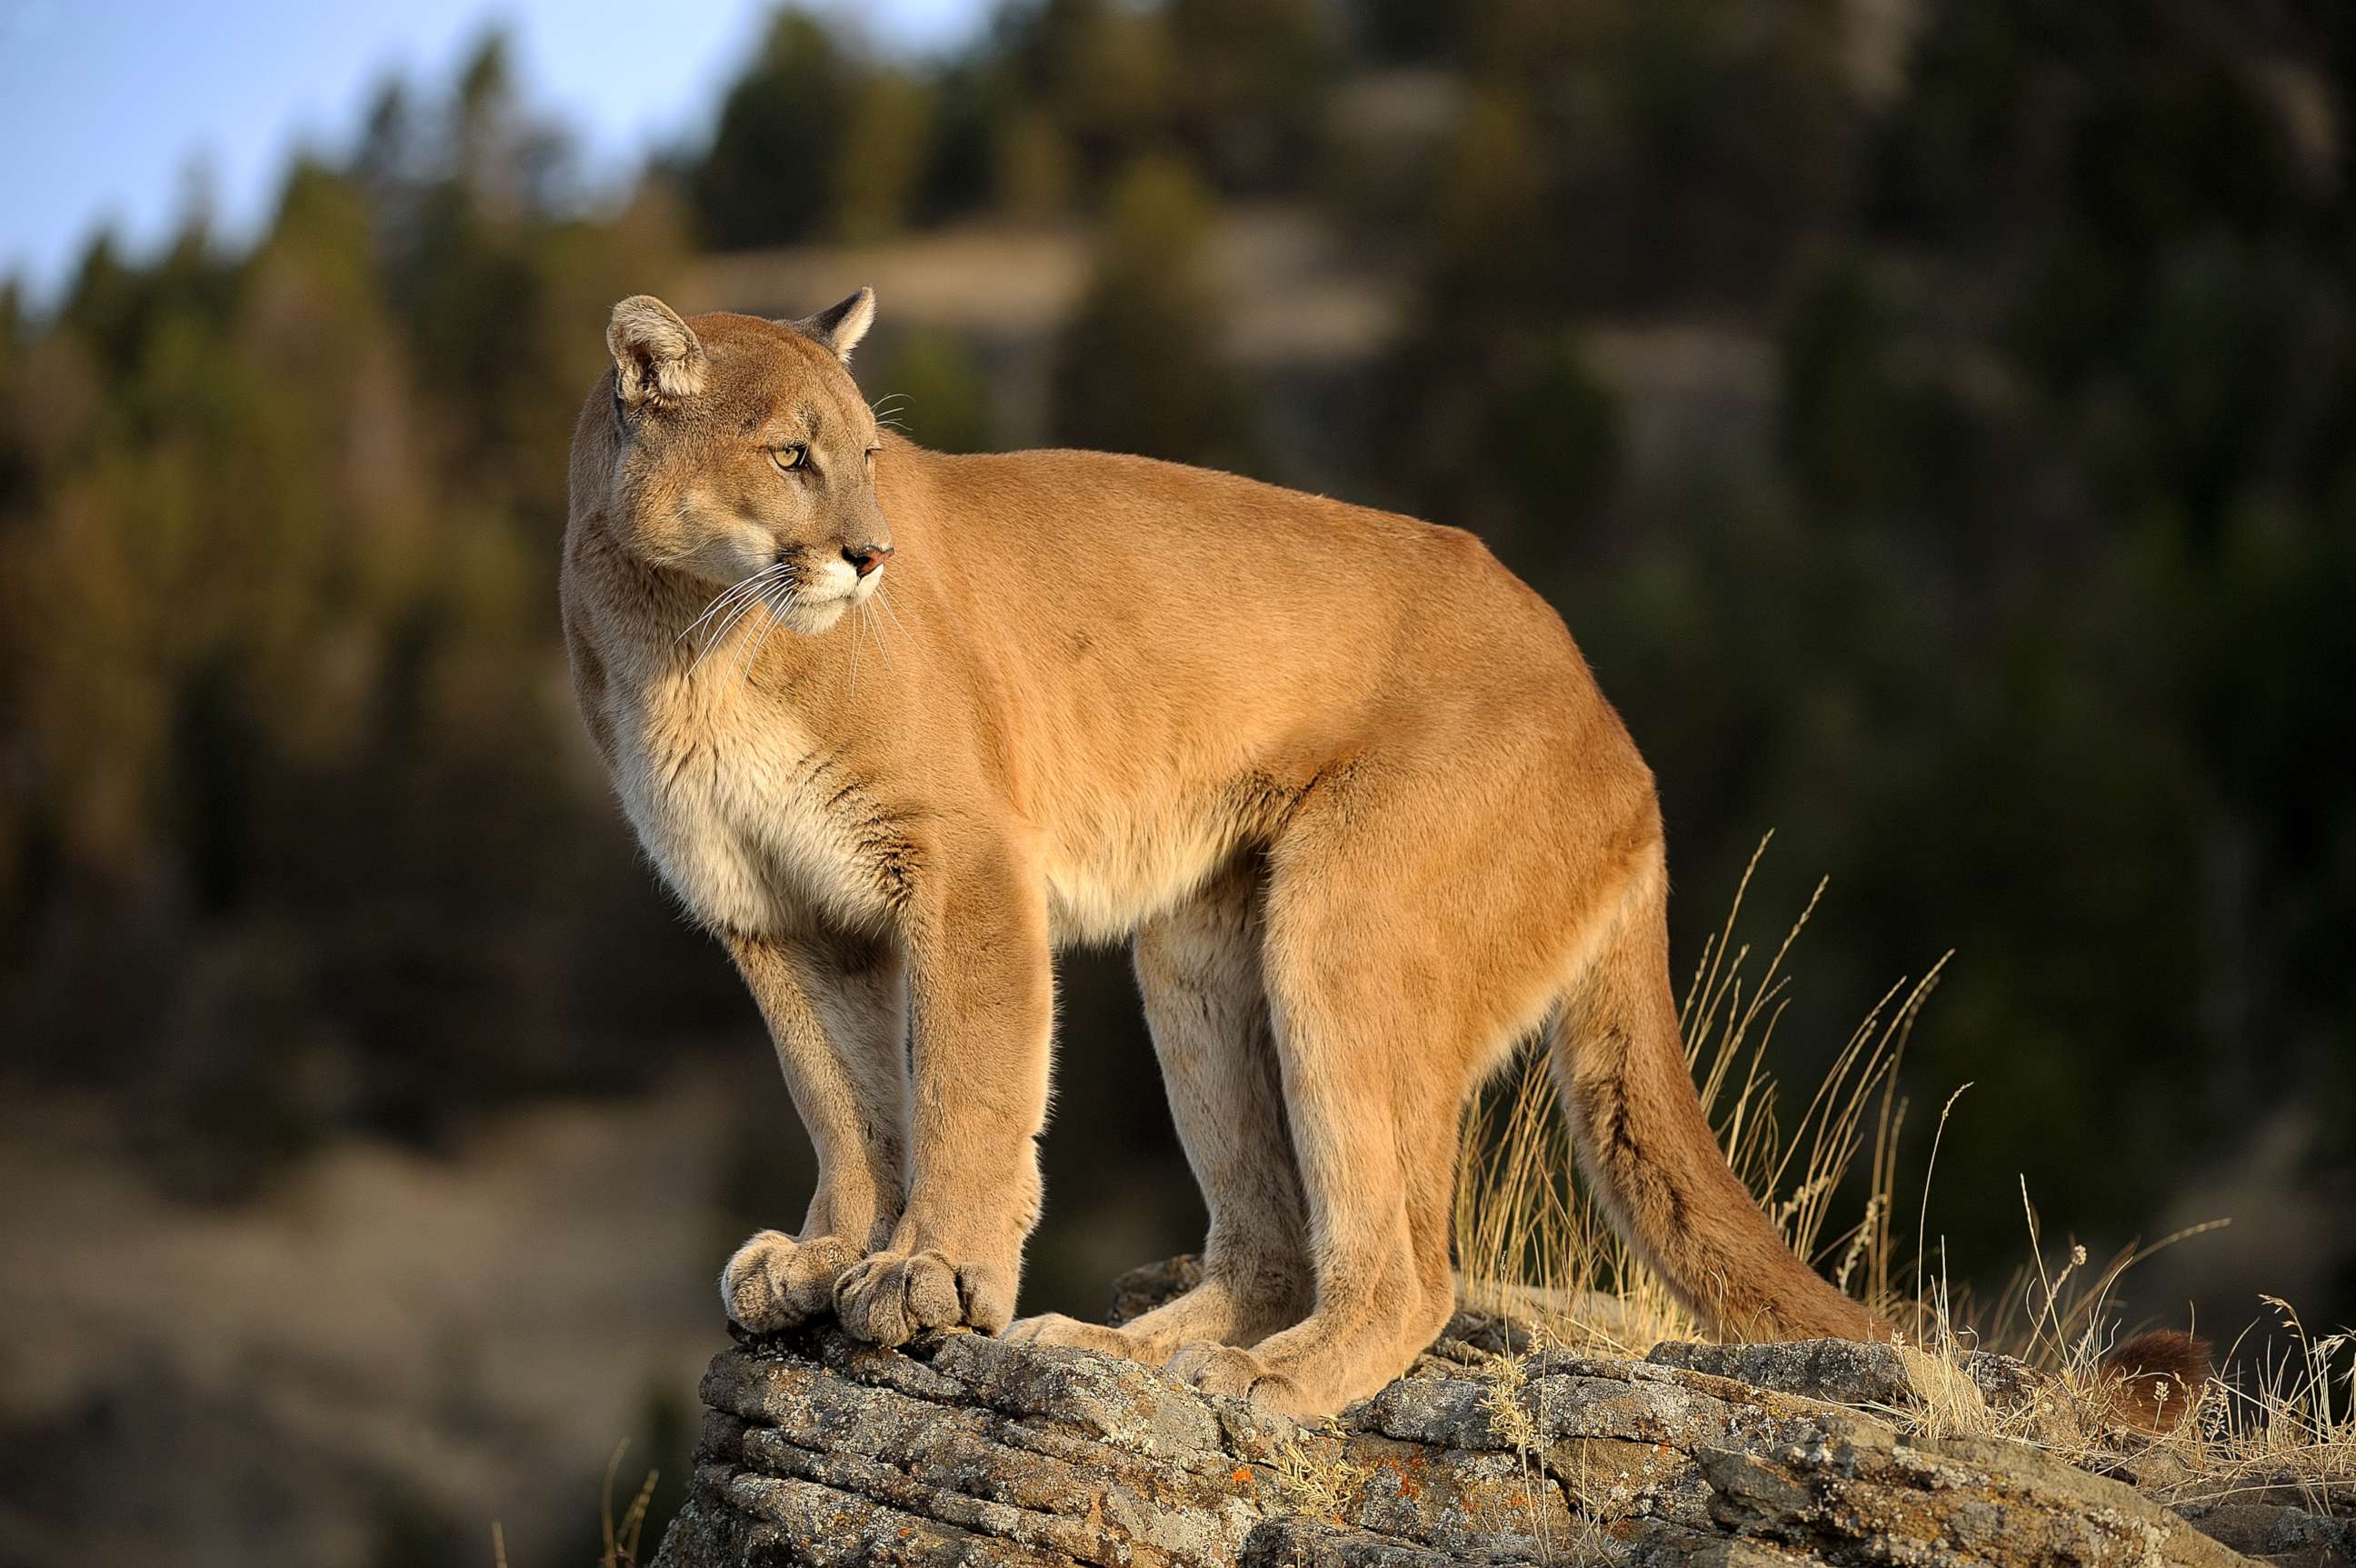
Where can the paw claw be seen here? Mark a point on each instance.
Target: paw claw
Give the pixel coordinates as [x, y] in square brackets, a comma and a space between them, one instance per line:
[892, 1297]
[1054, 1328]
[1236, 1373]
[775, 1283]
[985, 1298]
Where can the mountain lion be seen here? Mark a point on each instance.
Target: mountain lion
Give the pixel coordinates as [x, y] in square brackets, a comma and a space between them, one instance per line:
[894, 725]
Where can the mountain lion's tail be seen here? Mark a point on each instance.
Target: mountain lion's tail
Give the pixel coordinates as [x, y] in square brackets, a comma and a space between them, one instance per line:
[1648, 1153]
[2151, 1382]
[1650, 1158]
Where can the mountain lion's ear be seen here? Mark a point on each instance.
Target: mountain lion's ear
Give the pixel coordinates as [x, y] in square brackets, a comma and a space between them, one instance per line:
[841, 326]
[655, 355]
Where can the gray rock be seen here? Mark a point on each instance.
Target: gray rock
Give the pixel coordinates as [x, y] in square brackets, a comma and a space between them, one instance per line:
[1843, 1370]
[1836, 1370]
[2279, 1533]
[965, 1450]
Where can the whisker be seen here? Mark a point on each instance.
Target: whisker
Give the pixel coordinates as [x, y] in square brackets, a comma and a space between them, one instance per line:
[774, 603]
[721, 636]
[728, 628]
[884, 601]
[727, 596]
[747, 593]
[750, 654]
[781, 604]
[853, 692]
[721, 633]
[743, 607]
[749, 585]
[748, 658]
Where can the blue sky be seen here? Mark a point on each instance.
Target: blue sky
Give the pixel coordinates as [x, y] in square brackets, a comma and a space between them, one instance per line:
[110, 108]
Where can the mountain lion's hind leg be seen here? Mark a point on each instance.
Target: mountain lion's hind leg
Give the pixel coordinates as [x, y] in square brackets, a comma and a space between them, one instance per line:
[1374, 1110]
[1398, 962]
[1198, 968]
[836, 1015]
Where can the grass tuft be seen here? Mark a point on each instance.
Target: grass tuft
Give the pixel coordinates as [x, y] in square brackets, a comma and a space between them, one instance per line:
[1531, 1244]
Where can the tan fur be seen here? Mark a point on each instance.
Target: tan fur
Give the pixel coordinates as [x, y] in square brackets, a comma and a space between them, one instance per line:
[1342, 778]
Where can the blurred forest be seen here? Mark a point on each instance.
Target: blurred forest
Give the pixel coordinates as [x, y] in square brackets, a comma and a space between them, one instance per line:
[1937, 423]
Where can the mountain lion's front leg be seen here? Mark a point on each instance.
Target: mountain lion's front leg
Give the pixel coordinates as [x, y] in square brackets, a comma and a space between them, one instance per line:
[837, 1013]
[981, 994]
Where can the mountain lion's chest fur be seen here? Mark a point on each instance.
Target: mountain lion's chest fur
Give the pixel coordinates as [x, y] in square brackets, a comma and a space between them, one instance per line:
[744, 820]
[755, 828]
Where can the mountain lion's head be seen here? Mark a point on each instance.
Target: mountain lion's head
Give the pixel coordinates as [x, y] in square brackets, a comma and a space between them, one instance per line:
[743, 449]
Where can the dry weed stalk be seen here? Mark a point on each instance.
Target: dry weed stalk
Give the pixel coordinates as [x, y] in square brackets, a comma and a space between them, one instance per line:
[1530, 1243]
[622, 1540]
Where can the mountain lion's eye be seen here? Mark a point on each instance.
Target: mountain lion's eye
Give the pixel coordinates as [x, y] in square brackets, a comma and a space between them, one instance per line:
[792, 456]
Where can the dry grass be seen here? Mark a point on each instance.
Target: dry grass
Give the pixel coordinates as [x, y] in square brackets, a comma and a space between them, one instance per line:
[621, 1540]
[1529, 1243]
[1321, 1485]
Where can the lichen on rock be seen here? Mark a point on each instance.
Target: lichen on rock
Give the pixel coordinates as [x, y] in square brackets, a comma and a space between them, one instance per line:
[966, 1450]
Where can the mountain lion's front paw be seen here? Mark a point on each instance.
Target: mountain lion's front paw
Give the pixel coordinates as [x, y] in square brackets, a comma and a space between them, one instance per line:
[1054, 1328]
[775, 1281]
[1231, 1370]
[892, 1297]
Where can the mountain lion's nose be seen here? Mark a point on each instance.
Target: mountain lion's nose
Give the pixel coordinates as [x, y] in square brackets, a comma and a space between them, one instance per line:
[865, 558]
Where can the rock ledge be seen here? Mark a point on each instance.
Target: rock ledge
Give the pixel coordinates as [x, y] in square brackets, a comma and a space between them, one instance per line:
[819, 1450]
